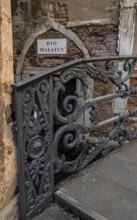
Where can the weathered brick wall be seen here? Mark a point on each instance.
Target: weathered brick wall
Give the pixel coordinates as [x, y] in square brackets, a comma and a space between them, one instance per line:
[33, 61]
[100, 40]
[60, 13]
[22, 29]
[132, 100]
[132, 103]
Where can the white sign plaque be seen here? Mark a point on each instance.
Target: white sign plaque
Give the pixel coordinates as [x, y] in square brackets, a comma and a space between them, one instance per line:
[52, 46]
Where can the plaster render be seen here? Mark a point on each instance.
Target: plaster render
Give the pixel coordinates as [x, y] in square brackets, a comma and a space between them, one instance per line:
[87, 9]
[128, 3]
[10, 211]
[7, 149]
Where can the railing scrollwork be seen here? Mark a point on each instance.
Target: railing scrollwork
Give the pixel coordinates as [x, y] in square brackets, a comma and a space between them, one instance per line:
[50, 136]
[71, 133]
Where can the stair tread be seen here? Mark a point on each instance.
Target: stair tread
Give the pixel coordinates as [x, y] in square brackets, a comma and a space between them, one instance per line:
[53, 213]
[109, 188]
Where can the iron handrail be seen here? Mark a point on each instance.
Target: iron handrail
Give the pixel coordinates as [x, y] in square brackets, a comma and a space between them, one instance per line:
[70, 64]
[50, 138]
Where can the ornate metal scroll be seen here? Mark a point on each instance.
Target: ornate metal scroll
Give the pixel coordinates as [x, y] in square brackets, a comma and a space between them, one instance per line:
[37, 100]
[72, 152]
[34, 135]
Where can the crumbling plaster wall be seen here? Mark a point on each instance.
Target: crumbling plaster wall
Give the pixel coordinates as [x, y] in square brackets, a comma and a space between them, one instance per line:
[7, 147]
[85, 10]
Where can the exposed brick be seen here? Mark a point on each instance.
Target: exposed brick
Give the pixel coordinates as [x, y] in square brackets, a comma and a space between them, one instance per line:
[101, 40]
[32, 61]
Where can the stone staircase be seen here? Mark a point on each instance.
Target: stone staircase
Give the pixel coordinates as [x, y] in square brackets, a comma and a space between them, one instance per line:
[106, 190]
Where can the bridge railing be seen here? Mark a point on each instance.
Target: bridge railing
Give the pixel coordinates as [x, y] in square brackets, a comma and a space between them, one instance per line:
[50, 137]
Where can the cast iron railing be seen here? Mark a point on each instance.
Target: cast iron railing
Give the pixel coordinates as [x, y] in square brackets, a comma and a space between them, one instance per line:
[50, 138]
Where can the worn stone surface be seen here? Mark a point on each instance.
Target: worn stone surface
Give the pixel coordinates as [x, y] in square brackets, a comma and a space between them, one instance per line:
[109, 187]
[10, 211]
[7, 148]
[54, 213]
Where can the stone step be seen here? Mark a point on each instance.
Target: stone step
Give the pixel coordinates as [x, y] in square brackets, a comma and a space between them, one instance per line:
[75, 208]
[106, 190]
[53, 213]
